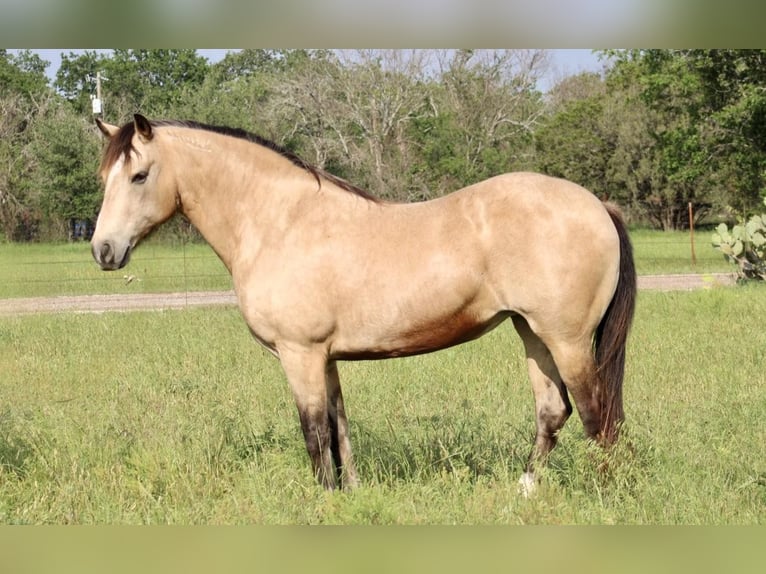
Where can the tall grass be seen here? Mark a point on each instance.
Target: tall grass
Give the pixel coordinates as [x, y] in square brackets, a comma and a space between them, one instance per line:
[178, 417]
[30, 270]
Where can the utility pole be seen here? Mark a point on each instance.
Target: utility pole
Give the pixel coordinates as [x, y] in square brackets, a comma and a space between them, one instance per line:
[97, 101]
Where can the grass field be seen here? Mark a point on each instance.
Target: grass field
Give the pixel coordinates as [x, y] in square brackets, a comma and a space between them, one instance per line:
[30, 270]
[39, 270]
[178, 417]
[659, 252]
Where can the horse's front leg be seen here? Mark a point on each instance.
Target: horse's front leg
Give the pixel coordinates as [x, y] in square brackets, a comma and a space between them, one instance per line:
[306, 371]
[339, 435]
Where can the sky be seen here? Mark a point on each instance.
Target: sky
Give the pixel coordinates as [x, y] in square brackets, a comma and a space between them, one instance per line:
[563, 62]
[569, 62]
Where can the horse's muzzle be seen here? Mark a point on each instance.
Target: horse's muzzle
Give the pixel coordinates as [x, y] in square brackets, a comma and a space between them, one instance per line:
[108, 257]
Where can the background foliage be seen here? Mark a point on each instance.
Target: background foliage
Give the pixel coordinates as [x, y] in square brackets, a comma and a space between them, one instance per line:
[655, 131]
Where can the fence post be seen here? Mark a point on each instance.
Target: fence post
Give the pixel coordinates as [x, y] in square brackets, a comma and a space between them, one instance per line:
[691, 233]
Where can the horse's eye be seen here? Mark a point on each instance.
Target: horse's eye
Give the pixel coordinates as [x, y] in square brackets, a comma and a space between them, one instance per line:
[140, 177]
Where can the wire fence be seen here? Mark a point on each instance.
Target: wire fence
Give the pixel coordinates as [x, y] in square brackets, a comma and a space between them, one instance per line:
[52, 270]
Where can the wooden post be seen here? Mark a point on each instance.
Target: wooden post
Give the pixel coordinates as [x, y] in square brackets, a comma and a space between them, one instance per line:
[691, 233]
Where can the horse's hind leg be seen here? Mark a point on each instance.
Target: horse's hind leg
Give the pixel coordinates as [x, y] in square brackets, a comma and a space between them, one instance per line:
[339, 435]
[576, 365]
[552, 406]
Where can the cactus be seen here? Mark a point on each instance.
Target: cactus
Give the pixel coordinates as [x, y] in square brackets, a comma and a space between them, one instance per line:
[745, 246]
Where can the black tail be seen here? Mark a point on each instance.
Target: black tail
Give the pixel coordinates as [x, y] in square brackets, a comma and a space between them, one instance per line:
[612, 334]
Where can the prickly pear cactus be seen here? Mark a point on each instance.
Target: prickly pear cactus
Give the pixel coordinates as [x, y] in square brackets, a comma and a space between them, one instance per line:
[745, 246]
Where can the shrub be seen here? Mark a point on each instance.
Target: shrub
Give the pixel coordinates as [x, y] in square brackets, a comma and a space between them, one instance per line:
[745, 246]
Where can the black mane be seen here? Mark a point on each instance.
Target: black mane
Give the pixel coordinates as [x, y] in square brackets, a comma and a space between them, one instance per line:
[121, 144]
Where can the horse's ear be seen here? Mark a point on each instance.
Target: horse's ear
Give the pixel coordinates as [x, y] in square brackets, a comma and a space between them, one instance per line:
[107, 129]
[143, 127]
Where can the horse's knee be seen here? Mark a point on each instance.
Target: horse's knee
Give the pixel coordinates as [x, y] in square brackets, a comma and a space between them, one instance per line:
[549, 423]
[552, 418]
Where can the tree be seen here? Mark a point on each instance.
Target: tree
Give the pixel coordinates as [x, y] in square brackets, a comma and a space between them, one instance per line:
[349, 112]
[76, 78]
[16, 219]
[659, 161]
[488, 108]
[414, 124]
[578, 138]
[236, 90]
[48, 155]
[23, 93]
[703, 140]
[151, 81]
[22, 74]
[733, 88]
[251, 62]
[573, 89]
[65, 178]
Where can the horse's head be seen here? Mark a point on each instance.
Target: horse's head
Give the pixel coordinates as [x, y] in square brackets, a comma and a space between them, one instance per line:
[139, 194]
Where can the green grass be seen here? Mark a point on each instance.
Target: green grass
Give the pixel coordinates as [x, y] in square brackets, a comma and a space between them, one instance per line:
[38, 270]
[660, 252]
[30, 270]
[179, 417]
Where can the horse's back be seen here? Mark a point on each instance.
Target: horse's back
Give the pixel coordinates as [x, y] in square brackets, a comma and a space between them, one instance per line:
[535, 195]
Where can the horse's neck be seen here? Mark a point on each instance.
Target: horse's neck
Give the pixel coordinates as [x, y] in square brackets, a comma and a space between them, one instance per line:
[230, 202]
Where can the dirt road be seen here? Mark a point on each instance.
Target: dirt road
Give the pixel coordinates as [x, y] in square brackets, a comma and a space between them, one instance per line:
[148, 301]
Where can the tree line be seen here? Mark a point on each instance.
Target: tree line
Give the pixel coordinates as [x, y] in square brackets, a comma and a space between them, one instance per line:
[657, 130]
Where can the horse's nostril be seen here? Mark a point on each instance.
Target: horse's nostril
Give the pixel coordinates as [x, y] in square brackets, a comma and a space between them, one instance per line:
[106, 253]
[103, 253]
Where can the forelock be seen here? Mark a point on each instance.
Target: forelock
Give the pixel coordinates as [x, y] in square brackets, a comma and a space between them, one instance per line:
[120, 145]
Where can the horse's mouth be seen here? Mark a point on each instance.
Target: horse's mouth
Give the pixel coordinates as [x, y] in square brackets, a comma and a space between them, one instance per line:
[125, 257]
[108, 258]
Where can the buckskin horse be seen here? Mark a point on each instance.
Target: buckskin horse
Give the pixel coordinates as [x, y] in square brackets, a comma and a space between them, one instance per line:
[324, 272]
